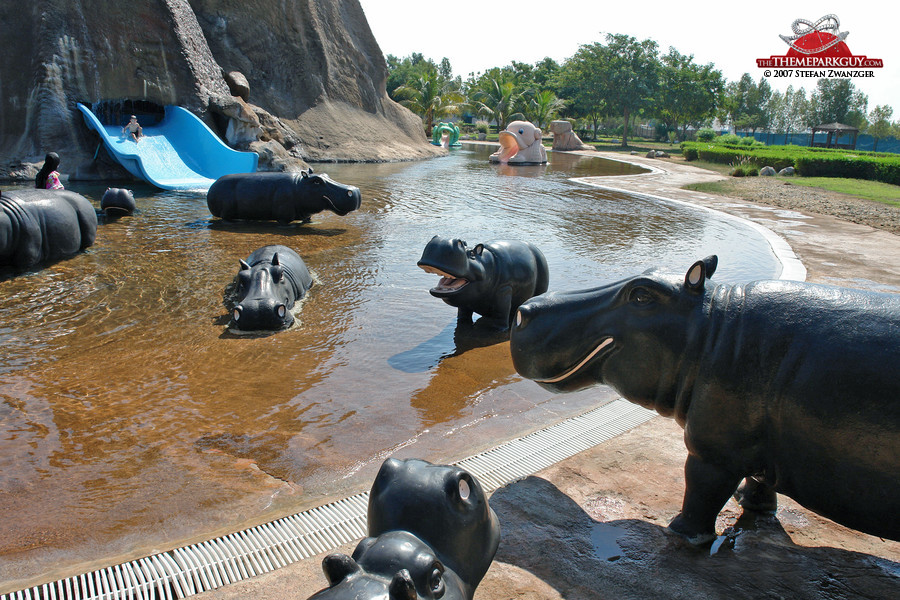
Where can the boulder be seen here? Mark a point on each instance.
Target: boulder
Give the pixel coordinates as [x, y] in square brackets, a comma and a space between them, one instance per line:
[786, 172]
[767, 172]
[564, 138]
[311, 66]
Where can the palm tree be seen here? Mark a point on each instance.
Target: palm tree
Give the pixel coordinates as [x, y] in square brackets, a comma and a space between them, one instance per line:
[497, 101]
[430, 98]
[542, 107]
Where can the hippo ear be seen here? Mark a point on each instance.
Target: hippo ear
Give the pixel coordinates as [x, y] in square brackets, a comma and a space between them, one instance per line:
[695, 279]
[244, 265]
[275, 260]
[305, 174]
[478, 249]
[338, 567]
[460, 244]
[711, 262]
[402, 587]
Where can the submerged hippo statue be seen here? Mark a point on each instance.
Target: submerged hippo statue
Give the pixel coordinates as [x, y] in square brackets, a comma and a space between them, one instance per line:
[41, 226]
[117, 202]
[431, 534]
[491, 279]
[282, 197]
[791, 387]
[270, 281]
[520, 144]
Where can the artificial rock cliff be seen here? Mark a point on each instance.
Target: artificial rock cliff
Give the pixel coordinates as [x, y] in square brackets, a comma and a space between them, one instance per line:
[294, 80]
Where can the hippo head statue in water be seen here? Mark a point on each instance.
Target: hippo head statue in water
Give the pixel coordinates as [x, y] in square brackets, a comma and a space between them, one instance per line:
[520, 143]
[267, 285]
[781, 386]
[431, 534]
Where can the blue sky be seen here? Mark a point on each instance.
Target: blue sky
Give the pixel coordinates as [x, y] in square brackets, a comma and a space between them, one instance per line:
[478, 35]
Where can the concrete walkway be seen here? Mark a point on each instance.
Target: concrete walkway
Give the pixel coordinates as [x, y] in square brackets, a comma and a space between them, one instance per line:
[593, 526]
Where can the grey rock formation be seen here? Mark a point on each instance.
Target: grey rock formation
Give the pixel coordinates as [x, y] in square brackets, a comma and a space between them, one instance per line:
[316, 73]
[767, 172]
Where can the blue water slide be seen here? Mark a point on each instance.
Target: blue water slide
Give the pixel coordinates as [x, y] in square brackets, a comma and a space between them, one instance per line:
[178, 153]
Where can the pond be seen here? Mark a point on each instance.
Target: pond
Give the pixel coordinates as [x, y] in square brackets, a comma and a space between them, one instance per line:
[132, 421]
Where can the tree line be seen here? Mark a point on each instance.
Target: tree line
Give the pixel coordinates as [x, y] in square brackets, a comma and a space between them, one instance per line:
[610, 86]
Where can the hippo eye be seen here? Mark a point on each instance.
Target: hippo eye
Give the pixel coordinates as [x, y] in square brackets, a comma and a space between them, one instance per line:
[641, 296]
[464, 489]
[277, 274]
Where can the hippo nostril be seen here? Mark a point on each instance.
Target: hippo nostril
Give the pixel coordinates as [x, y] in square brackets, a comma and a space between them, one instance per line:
[281, 310]
[520, 318]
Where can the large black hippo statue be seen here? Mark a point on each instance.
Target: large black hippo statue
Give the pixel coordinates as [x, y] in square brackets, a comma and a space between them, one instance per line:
[268, 284]
[40, 226]
[491, 279]
[282, 197]
[791, 387]
[431, 535]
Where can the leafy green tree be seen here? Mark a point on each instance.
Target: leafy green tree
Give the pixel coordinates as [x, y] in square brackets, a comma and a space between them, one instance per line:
[630, 75]
[880, 125]
[497, 100]
[542, 107]
[579, 81]
[689, 94]
[430, 97]
[838, 101]
[745, 103]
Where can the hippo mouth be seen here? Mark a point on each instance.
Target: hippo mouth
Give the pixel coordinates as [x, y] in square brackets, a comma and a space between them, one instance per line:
[449, 283]
[600, 352]
[342, 211]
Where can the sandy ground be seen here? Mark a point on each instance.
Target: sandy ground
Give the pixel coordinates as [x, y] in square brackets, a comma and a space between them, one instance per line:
[593, 526]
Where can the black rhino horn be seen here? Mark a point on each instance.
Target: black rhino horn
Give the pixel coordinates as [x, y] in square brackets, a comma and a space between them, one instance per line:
[402, 587]
[338, 567]
[244, 265]
[700, 271]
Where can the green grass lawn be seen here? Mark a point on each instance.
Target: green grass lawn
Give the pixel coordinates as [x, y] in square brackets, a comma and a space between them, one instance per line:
[862, 188]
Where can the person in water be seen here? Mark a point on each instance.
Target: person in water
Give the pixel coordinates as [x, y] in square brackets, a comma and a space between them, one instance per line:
[134, 128]
[48, 177]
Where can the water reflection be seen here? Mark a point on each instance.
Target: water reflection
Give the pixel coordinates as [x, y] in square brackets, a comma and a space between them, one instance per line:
[130, 423]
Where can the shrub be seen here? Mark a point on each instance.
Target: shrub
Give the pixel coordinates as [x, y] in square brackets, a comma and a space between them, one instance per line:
[482, 126]
[729, 138]
[706, 135]
[747, 141]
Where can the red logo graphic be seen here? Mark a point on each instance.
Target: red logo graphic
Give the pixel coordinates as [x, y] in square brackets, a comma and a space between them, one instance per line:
[818, 45]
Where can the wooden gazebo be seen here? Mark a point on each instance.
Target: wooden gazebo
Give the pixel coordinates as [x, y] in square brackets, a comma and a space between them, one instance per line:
[834, 131]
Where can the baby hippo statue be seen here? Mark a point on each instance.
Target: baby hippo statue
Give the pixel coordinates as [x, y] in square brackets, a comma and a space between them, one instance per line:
[270, 281]
[780, 386]
[282, 197]
[491, 279]
[431, 535]
[520, 144]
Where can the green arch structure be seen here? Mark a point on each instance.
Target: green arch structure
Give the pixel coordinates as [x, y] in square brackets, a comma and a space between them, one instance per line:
[439, 130]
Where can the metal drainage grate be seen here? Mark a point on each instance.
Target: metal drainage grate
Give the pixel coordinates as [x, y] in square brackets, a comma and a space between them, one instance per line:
[209, 565]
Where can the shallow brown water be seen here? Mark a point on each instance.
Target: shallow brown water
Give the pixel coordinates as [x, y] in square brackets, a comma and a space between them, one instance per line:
[132, 421]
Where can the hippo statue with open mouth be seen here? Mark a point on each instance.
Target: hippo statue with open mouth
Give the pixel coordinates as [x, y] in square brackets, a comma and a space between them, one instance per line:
[431, 534]
[41, 226]
[282, 197]
[791, 387]
[268, 284]
[520, 144]
[491, 279]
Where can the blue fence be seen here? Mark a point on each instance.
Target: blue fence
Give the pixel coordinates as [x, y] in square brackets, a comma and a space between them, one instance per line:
[863, 141]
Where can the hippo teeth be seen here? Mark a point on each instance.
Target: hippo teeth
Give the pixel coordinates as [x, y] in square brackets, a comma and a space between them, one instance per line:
[451, 283]
[603, 344]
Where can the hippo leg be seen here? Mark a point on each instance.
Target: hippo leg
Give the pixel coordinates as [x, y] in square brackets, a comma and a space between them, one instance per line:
[502, 308]
[757, 495]
[707, 488]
